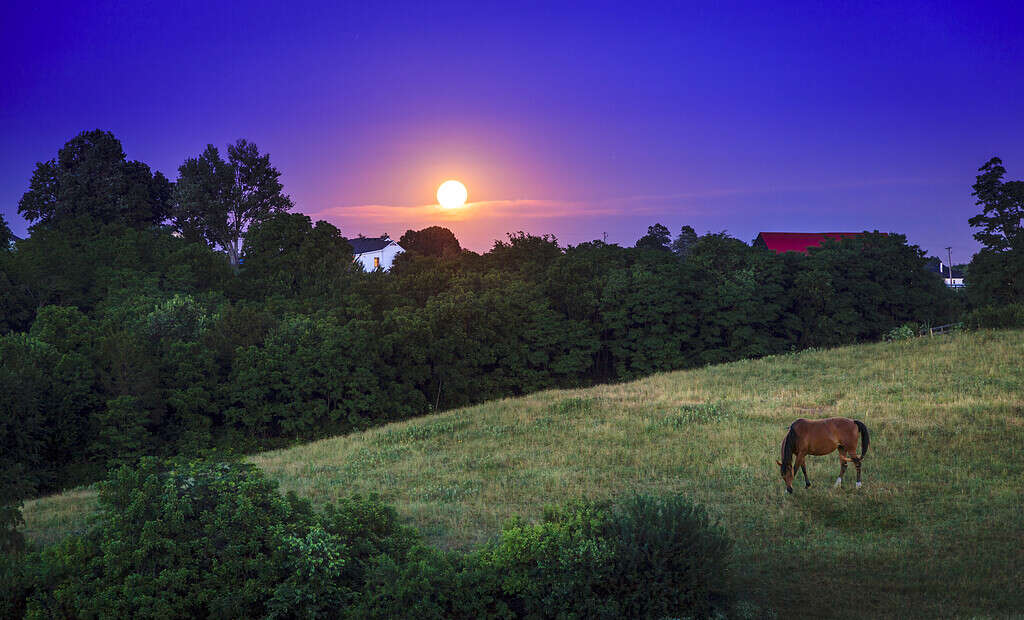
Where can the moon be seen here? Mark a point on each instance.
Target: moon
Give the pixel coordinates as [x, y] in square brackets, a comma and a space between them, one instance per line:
[452, 194]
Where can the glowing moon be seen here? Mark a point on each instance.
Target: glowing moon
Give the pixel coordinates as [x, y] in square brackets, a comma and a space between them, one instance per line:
[452, 194]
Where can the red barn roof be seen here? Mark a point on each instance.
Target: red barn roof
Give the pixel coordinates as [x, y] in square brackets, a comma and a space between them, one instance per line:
[780, 242]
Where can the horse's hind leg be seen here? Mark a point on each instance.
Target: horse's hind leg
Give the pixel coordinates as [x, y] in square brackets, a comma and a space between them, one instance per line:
[845, 456]
[842, 471]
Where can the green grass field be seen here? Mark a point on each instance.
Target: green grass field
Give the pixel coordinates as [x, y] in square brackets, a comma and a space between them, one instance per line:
[936, 530]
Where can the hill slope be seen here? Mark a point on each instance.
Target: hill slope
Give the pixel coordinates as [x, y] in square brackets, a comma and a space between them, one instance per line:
[936, 529]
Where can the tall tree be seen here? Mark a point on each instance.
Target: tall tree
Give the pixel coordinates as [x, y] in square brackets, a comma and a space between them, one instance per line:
[91, 178]
[1002, 209]
[286, 254]
[996, 274]
[6, 236]
[431, 241]
[685, 242]
[657, 238]
[216, 201]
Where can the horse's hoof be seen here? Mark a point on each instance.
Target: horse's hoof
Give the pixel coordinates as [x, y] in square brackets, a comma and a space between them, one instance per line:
[790, 491]
[808, 485]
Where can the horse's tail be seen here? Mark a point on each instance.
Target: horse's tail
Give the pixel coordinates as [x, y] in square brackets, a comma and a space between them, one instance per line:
[864, 441]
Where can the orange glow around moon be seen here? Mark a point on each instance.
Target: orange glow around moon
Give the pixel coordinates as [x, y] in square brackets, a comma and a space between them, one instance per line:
[452, 194]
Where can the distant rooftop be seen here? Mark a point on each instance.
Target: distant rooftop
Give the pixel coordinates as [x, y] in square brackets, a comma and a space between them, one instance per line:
[780, 242]
[942, 269]
[361, 245]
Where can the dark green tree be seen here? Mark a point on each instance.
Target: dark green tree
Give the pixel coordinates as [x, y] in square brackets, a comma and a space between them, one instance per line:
[216, 200]
[575, 287]
[286, 254]
[44, 413]
[996, 273]
[996, 278]
[6, 236]
[648, 316]
[657, 238]
[431, 241]
[524, 254]
[89, 269]
[742, 294]
[414, 278]
[877, 282]
[685, 242]
[311, 377]
[91, 180]
[1002, 209]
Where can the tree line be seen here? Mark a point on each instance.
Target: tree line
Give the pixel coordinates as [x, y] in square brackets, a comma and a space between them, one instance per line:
[134, 321]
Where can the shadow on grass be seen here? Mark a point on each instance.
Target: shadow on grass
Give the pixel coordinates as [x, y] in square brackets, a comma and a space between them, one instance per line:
[850, 511]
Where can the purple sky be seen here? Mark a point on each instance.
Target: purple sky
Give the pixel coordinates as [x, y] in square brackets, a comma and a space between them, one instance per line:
[836, 116]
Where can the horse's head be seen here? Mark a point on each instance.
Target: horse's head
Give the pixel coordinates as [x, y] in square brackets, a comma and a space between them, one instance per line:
[787, 472]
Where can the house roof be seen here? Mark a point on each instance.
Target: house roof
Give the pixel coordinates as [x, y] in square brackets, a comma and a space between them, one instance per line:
[362, 245]
[944, 270]
[780, 242]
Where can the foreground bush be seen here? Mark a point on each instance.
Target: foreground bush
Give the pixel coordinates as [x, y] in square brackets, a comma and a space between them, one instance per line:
[645, 558]
[670, 559]
[213, 539]
[204, 539]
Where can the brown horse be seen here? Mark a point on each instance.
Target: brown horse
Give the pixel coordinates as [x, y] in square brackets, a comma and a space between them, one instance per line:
[820, 437]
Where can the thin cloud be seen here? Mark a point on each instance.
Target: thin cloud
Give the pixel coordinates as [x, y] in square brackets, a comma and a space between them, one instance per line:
[508, 211]
[484, 209]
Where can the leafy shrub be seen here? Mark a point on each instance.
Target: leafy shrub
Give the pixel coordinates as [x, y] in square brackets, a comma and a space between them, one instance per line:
[670, 560]
[14, 585]
[191, 538]
[903, 332]
[14, 485]
[179, 318]
[644, 558]
[433, 584]
[188, 539]
[201, 539]
[557, 568]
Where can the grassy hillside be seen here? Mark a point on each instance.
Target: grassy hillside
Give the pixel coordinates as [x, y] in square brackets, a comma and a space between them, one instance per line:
[937, 528]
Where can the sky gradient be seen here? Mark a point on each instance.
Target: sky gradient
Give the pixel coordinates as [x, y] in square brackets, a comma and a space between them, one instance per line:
[742, 117]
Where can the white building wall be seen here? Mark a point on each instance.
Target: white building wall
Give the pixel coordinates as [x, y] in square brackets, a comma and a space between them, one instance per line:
[386, 256]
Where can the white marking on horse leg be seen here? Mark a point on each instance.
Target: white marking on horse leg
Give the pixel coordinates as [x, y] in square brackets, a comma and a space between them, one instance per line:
[839, 482]
[858, 484]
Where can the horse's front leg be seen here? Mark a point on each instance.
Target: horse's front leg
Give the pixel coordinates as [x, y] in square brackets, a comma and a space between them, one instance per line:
[798, 463]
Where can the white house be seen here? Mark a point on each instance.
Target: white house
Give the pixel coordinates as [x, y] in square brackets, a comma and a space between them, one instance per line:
[952, 277]
[375, 252]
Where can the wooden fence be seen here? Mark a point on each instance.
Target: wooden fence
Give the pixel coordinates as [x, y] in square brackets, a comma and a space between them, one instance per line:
[941, 329]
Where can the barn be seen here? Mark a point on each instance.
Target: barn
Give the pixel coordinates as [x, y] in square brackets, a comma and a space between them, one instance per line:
[780, 242]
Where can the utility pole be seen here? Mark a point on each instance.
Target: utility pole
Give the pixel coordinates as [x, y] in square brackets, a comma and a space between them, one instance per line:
[949, 264]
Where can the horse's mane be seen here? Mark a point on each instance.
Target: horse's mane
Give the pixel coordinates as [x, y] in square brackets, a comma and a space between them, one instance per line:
[788, 445]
